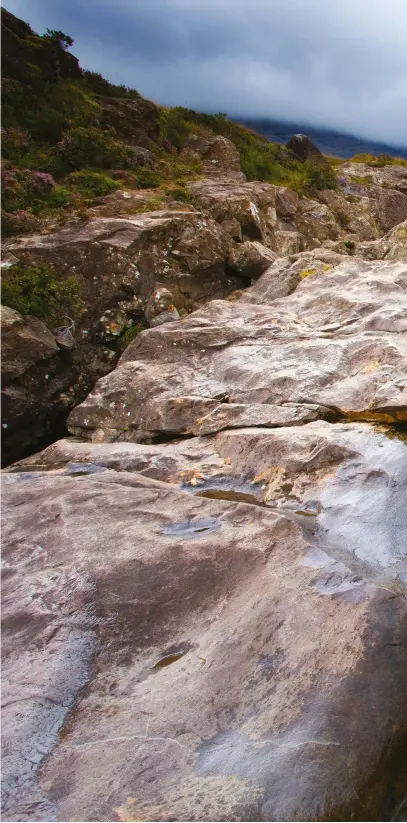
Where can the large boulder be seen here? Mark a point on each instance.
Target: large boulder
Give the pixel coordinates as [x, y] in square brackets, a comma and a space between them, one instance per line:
[208, 630]
[356, 216]
[397, 241]
[251, 258]
[251, 204]
[115, 257]
[393, 246]
[316, 222]
[304, 149]
[336, 342]
[391, 208]
[218, 153]
[24, 341]
[385, 187]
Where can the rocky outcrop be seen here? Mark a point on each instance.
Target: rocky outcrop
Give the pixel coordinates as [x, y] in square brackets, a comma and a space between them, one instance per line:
[24, 341]
[385, 188]
[41, 381]
[123, 253]
[114, 258]
[304, 149]
[204, 597]
[118, 264]
[251, 204]
[235, 607]
[250, 259]
[219, 154]
[232, 486]
[336, 342]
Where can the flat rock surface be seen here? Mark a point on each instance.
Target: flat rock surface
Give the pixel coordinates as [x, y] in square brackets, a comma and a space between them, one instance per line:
[205, 630]
[337, 342]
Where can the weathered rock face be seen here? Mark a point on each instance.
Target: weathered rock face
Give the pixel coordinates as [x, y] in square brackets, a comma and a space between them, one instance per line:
[119, 263]
[390, 177]
[23, 342]
[251, 204]
[41, 381]
[247, 644]
[336, 342]
[122, 256]
[304, 149]
[113, 258]
[386, 188]
[251, 259]
[218, 153]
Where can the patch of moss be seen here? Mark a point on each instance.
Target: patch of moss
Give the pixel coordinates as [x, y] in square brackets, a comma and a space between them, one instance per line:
[38, 290]
[361, 181]
[395, 432]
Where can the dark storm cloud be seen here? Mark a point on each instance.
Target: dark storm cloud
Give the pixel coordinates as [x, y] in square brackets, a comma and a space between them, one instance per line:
[334, 63]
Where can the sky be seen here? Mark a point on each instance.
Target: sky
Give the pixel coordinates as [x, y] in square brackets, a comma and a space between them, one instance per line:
[339, 64]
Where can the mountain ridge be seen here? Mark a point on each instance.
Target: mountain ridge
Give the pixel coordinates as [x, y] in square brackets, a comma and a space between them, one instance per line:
[329, 141]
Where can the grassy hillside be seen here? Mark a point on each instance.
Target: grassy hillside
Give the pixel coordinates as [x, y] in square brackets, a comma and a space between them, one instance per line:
[69, 136]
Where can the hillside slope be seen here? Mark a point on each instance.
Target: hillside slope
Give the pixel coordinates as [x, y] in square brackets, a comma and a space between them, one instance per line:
[63, 121]
[122, 215]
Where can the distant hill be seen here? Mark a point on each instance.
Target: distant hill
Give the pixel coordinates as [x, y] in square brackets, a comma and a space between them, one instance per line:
[329, 142]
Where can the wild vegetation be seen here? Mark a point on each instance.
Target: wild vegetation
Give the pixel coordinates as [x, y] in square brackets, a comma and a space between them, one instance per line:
[68, 133]
[259, 158]
[37, 290]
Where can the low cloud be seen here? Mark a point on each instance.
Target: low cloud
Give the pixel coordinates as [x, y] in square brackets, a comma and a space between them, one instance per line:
[340, 65]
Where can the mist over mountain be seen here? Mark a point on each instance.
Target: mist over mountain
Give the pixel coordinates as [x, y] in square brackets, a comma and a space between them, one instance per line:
[331, 65]
[329, 142]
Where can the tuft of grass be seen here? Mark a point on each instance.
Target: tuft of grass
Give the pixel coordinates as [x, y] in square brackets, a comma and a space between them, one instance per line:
[130, 334]
[379, 161]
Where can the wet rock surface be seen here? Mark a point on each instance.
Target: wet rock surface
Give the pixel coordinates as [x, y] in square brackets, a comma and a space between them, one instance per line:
[204, 588]
[231, 567]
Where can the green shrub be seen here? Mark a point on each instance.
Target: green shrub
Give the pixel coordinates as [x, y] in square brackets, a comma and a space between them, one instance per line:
[38, 290]
[320, 176]
[148, 178]
[23, 188]
[179, 193]
[94, 148]
[378, 162]
[97, 84]
[174, 127]
[93, 183]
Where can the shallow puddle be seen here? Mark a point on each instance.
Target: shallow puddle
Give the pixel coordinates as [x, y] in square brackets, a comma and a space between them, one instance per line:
[168, 659]
[236, 497]
[189, 529]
